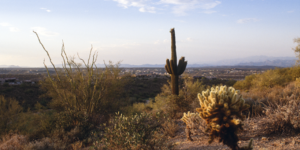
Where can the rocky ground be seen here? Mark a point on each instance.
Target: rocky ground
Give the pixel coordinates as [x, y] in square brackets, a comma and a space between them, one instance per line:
[252, 129]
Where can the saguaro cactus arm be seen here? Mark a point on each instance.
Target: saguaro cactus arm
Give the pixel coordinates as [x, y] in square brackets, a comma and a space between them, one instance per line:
[167, 66]
[181, 66]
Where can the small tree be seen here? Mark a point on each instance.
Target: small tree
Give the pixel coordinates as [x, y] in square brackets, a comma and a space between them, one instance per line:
[9, 109]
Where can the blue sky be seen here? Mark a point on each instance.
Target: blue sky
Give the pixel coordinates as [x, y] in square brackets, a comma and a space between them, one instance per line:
[137, 31]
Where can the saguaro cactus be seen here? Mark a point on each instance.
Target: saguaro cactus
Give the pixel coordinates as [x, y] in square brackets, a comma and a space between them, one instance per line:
[171, 66]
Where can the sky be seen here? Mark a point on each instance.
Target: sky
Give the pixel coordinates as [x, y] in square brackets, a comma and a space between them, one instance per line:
[137, 31]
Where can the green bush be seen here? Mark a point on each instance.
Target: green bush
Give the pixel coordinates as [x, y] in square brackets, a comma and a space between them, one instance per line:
[35, 125]
[84, 89]
[8, 89]
[9, 111]
[82, 97]
[168, 103]
[28, 91]
[135, 132]
[175, 105]
[5, 84]
[269, 79]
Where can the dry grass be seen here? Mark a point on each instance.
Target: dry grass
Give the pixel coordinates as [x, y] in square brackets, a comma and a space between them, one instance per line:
[13, 142]
[170, 128]
[259, 99]
[283, 118]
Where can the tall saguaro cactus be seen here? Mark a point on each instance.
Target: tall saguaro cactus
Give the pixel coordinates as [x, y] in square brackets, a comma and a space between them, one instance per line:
[171, 66]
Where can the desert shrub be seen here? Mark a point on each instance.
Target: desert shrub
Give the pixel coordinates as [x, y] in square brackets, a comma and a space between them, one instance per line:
[175, 105]
[256, 107]
[134, 132]
[8, 89]
[45, 143]
[5, 84]
[21, 142]
[9, 110]
[269, 79]
[230, 82]
[91, 92]
[13, 142]
[84, 89]
[24, 85]
[283, 118]
[83, 97]
[170, 127]
[63, 128]
[166, 102]
[190, 90]
[271, 97]
[35, 125]
[28, 91]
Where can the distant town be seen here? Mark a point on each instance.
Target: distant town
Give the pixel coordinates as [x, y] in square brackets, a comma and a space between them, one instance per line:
[16, 76]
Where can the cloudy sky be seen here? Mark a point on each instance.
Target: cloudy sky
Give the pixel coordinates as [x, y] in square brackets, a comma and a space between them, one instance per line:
[137, 31]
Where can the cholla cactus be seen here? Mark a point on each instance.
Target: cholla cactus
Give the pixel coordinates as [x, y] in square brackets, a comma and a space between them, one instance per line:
[221, 108]
[188, 119]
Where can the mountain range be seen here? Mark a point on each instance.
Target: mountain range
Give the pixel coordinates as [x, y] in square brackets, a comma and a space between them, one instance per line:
[247, 61]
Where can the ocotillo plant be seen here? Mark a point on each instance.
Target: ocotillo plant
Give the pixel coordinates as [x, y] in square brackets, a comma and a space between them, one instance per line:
[82, 89]
[171, 66]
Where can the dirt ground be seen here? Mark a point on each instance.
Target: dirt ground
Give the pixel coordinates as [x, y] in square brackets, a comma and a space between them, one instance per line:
[261, 139]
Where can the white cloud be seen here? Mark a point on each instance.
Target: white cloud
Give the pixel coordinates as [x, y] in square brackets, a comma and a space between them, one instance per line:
[246, 20]
[189, 39]
[179, 7]
[46, 9]
[291, 11]
[210, 5]
[141, 4]
[13, 29]
[182, 21]
[44, 31]
[4, 24]
[162, 41]
[209, 11]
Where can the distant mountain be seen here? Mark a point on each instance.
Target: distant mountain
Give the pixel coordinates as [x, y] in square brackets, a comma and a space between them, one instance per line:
[9, 66]
[247, 61]
[278, 63]
[258, 61]
[142, 66]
